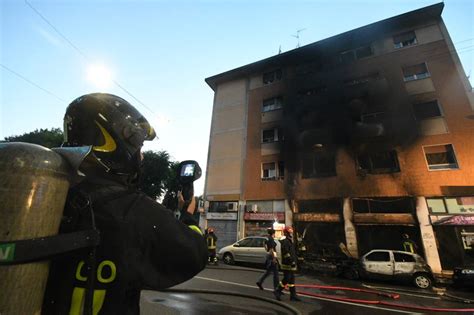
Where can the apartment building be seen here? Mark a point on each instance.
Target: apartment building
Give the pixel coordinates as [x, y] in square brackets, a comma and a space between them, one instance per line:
[355, 139]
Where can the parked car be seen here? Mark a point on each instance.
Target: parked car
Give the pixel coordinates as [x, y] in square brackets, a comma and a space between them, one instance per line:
[250, 249]
[463, 276]
[391, 264]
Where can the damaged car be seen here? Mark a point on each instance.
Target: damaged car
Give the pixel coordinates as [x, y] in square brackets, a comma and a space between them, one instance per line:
[381, 264]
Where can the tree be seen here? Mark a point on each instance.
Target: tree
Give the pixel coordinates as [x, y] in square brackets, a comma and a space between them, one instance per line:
[49, 138]
[158, 174]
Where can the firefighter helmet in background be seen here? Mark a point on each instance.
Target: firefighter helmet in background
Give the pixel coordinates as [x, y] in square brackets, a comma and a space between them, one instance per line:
[210, 230]
[288, 231]
[35, 182]
[112, 126]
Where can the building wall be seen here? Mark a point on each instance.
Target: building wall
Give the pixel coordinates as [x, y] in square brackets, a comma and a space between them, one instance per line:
[227, 141]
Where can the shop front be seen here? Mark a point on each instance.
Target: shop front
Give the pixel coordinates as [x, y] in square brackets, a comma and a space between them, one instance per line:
[224, 225]
[455, 239]
[256, 224]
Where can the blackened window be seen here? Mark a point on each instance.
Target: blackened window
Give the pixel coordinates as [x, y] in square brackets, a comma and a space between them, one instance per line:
[362, 79]
[281, 169]
[347, 57]
[319, 164]
[426, 110]
[363, 52]
[379, 162]
[405, 39]
[440, 157]
[415, 72]
[399, 257]
[221, 206]
[320, 206]
[272, 76]
[269, 135]
[379, 256]
[384, 205]
[312, 91]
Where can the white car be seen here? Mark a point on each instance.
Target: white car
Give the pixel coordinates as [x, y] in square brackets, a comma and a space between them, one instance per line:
[393, 264]
[250, 249]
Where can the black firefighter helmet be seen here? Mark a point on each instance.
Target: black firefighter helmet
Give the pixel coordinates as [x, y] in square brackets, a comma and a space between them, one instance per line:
[112, 126]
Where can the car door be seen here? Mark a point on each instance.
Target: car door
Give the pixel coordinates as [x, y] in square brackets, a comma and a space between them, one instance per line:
[404, 264]
[257, 252]
[378, 264]
[241, 249]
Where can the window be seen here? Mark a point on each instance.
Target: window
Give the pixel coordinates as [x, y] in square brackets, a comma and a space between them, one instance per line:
[440, 157]
[352, 55]
[452, 205]
[378, 256]
[222, 206]
[373, 118]
[436, 205]
[272, 104]
[270, 172]
[426, 110]
[416, 72]
[379, 162]
[384, 205]
[312, 91]
[319, 164]
[245, 242]
[399, 257]
[405, 39]
[258, 242]
[272, 76]
[272, 135]
[361, 80]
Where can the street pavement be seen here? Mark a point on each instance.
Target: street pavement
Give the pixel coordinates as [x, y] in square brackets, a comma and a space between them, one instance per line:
[229, 290]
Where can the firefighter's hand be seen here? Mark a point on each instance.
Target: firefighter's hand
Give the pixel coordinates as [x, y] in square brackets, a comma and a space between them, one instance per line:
[191, 206]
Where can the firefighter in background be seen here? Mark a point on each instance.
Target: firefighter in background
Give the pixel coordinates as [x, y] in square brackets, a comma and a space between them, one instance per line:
[409, 245]
[211, 240]
[288, 264]
[142, 245]
[271, 262]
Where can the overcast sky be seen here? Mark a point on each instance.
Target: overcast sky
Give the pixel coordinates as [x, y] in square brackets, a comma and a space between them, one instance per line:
[161, 52]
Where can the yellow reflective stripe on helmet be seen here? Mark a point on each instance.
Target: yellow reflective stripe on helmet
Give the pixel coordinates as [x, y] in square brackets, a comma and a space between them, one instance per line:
[195, 228]
[109, 145]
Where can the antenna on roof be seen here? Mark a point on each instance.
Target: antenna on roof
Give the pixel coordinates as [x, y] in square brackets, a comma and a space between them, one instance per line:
[279, 50]
[297, 36]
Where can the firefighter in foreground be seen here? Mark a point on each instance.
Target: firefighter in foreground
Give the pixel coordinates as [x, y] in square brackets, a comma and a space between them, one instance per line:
[288, 265]
[409, 245]
[143, 246]
[211, 240]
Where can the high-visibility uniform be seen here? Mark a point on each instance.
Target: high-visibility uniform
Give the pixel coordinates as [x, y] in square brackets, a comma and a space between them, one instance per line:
[288, 265]
[211, 240]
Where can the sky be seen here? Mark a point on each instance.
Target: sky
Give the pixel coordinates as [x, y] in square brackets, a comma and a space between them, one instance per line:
[159, 53]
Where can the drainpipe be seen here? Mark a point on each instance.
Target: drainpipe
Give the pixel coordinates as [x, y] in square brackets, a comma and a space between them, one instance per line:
[349, 229]
[427, 235]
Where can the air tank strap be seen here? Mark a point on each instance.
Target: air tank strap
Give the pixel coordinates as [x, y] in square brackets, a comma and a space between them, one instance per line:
[43, 248]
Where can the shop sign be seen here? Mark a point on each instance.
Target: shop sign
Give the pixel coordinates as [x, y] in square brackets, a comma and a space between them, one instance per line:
[265, 216]
[221, 216]
[453, 220]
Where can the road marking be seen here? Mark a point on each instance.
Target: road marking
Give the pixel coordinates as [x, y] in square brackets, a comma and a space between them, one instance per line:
[312, 297]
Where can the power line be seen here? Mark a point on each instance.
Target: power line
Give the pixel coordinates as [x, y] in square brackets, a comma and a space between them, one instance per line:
[84, 55]
[32, 83]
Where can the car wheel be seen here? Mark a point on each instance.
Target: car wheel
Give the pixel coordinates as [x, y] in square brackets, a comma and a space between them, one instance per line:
[422, 280]
[228, 259]
[351, 274]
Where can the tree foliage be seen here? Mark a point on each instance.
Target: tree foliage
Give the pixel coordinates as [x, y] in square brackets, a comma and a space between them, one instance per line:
[50, 138]
[159, 174]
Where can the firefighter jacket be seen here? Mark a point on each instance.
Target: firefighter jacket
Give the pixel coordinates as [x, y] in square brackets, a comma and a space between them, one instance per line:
[288, 254]
[211, 240]
[142, 246]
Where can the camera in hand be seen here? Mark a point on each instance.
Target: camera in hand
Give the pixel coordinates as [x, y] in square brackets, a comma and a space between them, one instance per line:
[188, 172]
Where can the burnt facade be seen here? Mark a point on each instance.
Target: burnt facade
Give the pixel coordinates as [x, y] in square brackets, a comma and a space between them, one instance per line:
[356, 139]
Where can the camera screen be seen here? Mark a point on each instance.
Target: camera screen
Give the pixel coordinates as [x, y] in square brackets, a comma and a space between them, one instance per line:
[187, 170]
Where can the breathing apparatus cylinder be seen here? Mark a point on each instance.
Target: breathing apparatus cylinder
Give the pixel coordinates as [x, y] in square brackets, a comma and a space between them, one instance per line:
[33, 190]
